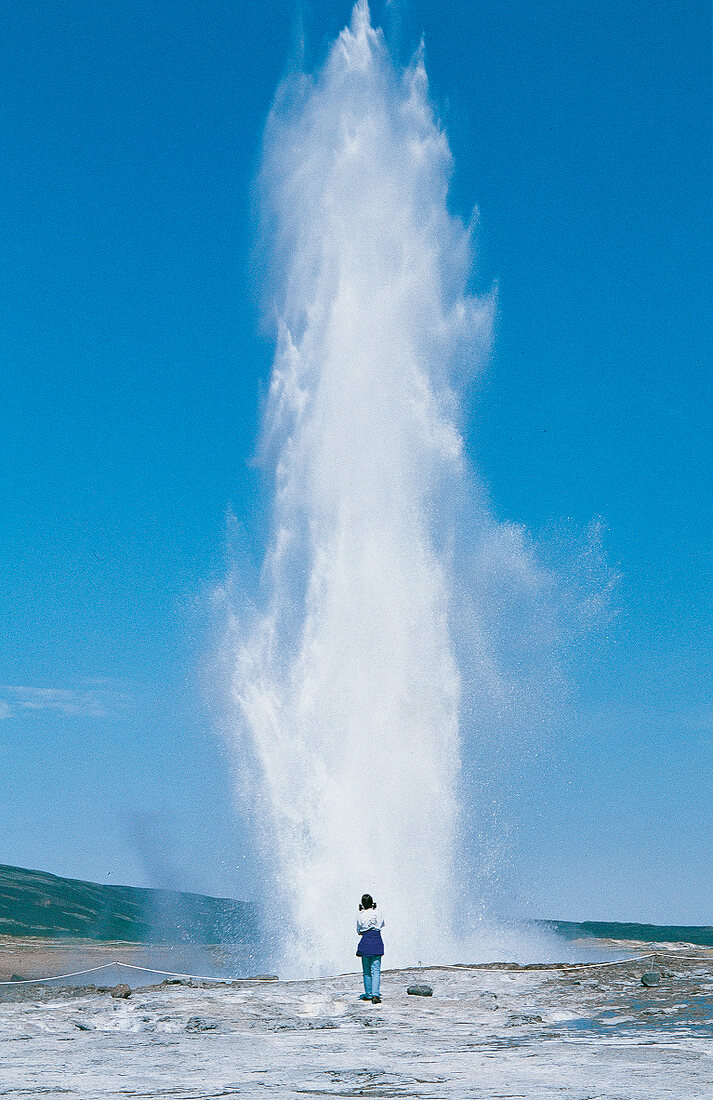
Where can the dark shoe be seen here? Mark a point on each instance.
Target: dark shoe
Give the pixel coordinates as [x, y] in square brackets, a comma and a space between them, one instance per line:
[364, 997]
[376, 1000]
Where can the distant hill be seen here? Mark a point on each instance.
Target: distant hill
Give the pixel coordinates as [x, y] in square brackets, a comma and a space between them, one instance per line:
[34, 903]
[702, 935]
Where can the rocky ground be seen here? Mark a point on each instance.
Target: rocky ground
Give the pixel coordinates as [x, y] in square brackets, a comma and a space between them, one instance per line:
[487, 1032]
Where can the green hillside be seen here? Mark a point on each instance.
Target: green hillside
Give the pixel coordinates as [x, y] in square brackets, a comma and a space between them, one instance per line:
[34, 903]
[702, 935]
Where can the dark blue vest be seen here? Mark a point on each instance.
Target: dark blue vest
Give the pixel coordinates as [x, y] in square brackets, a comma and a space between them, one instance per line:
[371, 943]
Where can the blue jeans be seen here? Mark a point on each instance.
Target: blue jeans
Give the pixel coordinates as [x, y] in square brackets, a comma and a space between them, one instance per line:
[371, 965]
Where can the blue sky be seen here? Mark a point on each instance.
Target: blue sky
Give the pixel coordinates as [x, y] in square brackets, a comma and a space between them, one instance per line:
[134, 360]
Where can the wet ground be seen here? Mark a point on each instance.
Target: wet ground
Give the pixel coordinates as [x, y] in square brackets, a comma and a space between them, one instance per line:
[487, 1032]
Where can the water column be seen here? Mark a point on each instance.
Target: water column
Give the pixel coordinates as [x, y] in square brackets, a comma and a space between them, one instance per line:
[346, 681]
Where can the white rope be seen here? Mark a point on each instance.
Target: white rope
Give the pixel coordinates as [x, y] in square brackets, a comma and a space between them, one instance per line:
[55, 977]
[196, 977]
[565, 968]
[176, 974]
[132, 966]
[540, 969]
[258, 981]
[10, 943]
[166, 973]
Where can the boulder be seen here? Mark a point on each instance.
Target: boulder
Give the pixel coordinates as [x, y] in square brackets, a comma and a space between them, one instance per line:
[650, 977]
[121, 991]
[198, 1023]
[420, 990]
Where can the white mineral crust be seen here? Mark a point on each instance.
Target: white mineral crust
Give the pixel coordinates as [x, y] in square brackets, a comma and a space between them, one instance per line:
[486, 1033]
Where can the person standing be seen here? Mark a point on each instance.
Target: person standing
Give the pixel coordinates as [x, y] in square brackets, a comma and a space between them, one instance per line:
[370, 949]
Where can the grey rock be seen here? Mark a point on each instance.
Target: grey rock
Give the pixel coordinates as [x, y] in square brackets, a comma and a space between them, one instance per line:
[420, 990]
[197, 1023]
[121, 991]
[17, 978]
[650, 977]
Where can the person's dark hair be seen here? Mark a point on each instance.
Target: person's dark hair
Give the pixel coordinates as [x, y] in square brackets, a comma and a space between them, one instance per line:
[367, 902]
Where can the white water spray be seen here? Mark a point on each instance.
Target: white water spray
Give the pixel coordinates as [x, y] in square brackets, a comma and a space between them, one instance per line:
[348, 684]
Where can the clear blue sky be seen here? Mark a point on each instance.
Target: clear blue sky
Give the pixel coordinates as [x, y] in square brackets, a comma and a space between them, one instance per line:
[133, 359]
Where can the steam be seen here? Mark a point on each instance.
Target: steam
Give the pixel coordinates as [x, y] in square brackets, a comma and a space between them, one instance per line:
[349, 680]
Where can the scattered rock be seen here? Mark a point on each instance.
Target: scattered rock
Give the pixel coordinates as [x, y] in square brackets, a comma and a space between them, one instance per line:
[81, 1026]
[650, 977]
[17, 978]
[419, 990]
[263, 978]
[121, 991]
[197, 1023]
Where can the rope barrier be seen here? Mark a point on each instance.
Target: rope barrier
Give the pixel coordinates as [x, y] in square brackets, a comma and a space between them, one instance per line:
[565, 968]
[56, 977]
[196, 977]
[132, 966]
[9, 943]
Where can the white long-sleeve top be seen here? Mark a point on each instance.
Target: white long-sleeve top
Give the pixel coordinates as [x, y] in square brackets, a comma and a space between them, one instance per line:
[369, 918]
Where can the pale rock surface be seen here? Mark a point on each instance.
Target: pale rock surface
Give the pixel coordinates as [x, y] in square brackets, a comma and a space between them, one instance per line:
[485, 1033]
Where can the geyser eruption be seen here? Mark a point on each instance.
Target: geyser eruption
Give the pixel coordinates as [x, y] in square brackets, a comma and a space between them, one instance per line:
[347, 680]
